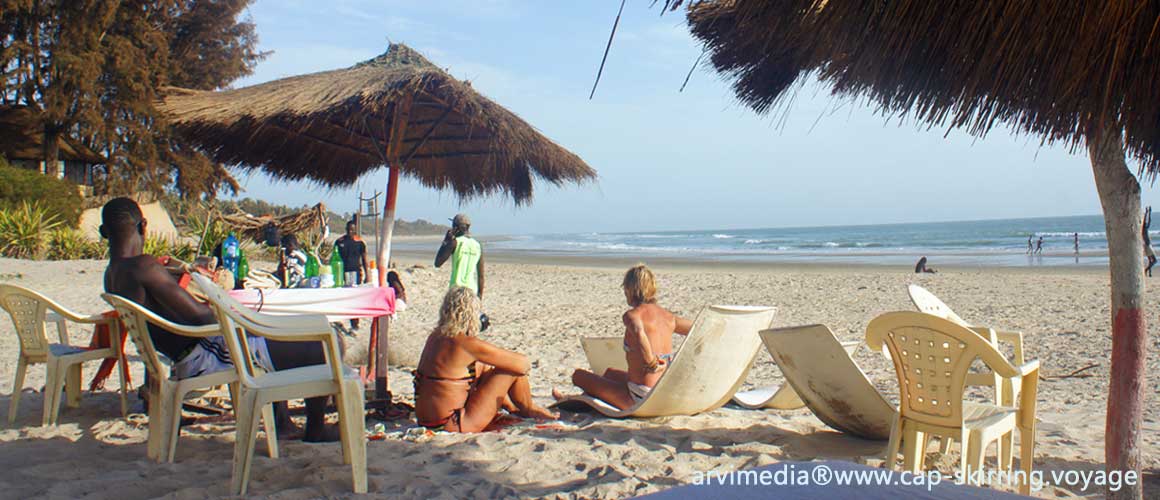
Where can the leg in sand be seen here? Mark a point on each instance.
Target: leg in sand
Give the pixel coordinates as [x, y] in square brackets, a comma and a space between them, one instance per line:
[611, 390]
[288, 355]
[491, 391]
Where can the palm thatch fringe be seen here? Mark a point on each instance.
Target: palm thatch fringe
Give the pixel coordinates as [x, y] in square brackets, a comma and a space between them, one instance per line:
[1058, 70]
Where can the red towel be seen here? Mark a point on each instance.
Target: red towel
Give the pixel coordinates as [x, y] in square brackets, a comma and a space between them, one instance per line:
[103, 339]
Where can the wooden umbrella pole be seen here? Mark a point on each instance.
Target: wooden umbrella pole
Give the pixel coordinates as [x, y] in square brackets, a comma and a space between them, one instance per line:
[387, 228]
[1119, 192]
[399, 119]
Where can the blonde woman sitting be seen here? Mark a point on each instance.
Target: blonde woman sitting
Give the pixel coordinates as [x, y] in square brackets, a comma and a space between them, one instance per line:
[451, 393]
[648, 345]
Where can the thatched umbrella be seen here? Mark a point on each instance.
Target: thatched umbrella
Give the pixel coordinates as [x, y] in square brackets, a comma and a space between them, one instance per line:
[396, 110]
[1077, 73]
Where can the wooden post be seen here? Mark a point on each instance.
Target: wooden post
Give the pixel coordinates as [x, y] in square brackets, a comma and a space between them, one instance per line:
[1119, 193]
[399, 118]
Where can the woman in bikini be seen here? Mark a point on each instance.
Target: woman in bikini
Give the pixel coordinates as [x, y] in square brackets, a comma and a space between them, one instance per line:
[648, 345]
[462, 382]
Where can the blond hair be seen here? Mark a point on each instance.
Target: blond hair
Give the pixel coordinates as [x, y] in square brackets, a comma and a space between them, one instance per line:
[640, 287]
[459, 313]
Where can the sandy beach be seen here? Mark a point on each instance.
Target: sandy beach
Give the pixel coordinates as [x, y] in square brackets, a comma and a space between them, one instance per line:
[542, 309]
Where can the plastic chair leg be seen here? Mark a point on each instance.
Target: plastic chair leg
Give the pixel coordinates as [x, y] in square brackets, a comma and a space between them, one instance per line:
[1026, 457]
[911, 449]
[247, 417]
[355, 440]
[54, 384]
[964, 460]
[975, 453]
[271, 431]
[891, 457]
[171, 401]
[72, 385]
[1006, 451]
[121, 367]
[17, 389]
[944, 445]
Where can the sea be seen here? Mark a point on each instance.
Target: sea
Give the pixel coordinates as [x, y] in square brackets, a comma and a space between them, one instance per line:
[963, 243]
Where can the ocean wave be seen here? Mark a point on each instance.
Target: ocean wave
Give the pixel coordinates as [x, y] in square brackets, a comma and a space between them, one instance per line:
[723, 236]
[754, 242]
[830, 244]
[1094, 234]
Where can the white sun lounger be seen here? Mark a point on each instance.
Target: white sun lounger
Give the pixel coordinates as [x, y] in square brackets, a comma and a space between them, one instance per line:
[821, 372]
[705, 372]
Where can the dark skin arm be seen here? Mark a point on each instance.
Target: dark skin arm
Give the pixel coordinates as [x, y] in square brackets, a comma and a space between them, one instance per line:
[446, 249]
[479, 273]
[159, 283]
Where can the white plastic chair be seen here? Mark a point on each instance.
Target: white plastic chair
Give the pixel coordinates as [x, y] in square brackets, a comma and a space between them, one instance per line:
[1006, 389]
[31, 312]
[706, 371]
[931, 357]
[257, 390]
[167, 394]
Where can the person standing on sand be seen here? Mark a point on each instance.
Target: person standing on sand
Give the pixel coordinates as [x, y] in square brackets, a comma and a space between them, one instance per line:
[1077, 244]
[139, 277]
[1148, 251]
[1039, 246]
[648, 345]
[466, 256]
[353, 252]
[1029, 249]
[462, 381]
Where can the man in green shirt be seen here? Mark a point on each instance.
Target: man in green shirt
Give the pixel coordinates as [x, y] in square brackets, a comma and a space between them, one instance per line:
[465, 253]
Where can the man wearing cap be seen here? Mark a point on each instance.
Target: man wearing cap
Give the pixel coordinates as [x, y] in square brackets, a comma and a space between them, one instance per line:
[466, 255]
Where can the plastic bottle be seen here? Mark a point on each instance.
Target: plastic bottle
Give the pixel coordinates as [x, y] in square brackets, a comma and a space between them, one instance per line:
[336, 267]
[325, 279]
[312, 265]
[230, 253]
[372, 274]
[243, 267]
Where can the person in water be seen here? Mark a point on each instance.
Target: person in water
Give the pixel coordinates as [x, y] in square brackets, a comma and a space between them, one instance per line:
[648, 345]
[920, 267]
[1039, 246]
[1148, 251]
[139, 277]
[462, 381]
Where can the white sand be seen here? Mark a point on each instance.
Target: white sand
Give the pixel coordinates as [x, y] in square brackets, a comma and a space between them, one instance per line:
[541, 311]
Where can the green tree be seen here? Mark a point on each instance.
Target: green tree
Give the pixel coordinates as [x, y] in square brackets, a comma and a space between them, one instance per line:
[94, 68]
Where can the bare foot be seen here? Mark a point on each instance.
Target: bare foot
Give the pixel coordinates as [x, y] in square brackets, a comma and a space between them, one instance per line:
[539, 414]
[328, 434]
[557, 395]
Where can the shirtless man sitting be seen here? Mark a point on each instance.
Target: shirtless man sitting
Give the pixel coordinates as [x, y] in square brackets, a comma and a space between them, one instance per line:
[462, 382]
[139, 277]
[648, 345]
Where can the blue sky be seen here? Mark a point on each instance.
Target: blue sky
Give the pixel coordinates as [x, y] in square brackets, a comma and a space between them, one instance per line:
[666, 159]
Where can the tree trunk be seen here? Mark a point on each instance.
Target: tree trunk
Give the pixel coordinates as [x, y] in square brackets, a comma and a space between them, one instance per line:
[51, 148]
[1120, 196]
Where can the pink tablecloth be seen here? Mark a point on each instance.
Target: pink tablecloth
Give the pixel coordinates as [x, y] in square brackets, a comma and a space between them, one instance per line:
[336, 304]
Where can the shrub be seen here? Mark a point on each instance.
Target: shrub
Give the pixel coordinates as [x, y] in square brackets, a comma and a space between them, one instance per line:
[70, 244]
[60, 198]
[24, 230]
[159, 247]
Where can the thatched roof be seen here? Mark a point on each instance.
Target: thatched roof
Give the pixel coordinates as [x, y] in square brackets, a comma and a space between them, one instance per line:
[332, 127]
[22, 138]
[253, 226]
[1055, 69]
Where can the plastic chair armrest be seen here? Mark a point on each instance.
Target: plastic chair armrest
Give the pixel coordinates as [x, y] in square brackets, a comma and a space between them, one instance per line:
[1028, 368]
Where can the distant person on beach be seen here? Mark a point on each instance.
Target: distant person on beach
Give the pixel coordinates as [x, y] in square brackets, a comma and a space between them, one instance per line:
[292, 268]
[1029, 248]
[920, 267]
[1039, 246]
[1148, 251]
[648, 345]
[139, 277]
[1077, 244]
[353, 251]
[466, 255]
[462, 381]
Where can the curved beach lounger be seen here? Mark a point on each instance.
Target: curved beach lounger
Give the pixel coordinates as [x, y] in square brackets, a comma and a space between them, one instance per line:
[821, 372]
[776, 397]
[705, 372]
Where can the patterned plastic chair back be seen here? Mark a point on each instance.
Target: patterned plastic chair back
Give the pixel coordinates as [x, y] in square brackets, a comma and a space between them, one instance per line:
[136, 323]
[28, 310]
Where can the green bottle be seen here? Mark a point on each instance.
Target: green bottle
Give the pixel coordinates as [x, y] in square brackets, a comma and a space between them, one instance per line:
[336, 267]
[311, 265]
[243, 267]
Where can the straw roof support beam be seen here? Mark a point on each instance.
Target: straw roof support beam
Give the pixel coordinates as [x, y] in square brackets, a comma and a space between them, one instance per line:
[423, 140]
[1120, 196]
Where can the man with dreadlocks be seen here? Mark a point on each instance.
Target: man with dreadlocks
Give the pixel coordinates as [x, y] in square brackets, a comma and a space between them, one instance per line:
[139, 277]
